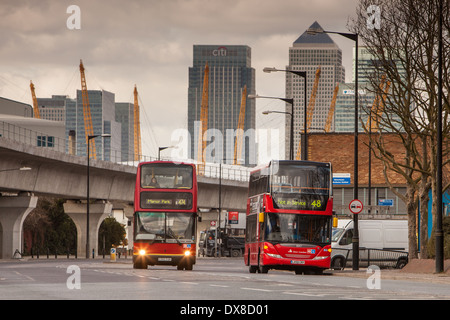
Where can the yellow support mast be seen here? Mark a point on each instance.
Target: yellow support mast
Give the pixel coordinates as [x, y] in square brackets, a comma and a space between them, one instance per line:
[240, 129]
[88, 128]
[137, 128]
[204, 123]
[331, 111]
[35, 103]
[378, 105]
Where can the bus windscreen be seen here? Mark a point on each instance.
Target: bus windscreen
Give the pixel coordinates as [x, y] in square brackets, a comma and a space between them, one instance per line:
[300, 187]
[164, 176]
[165, 226]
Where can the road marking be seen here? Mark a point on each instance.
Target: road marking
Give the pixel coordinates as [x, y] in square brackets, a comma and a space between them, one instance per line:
[304, 294]
[186, 282]
[219, 285]
[257, 289]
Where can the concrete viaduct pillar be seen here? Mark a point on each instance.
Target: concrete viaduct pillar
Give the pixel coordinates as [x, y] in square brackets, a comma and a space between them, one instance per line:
[13, 211]
[98, 211]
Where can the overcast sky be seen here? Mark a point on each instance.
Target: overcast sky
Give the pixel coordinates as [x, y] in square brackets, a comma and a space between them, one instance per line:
[150, 43]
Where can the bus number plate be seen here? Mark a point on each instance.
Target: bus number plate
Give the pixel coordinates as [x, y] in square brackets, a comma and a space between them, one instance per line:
[164, 259]
[297, 262]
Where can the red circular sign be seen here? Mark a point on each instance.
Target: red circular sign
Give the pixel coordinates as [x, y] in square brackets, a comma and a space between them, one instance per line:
[355, 206]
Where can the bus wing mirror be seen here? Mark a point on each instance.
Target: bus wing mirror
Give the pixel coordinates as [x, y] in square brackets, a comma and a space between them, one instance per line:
[261, 217]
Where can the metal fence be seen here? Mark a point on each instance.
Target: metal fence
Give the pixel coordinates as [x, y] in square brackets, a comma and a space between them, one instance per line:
[38, 139]
[383, 258]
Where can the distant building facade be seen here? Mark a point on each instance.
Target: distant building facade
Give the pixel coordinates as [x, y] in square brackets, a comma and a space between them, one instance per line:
[308, 53]
[229, 71]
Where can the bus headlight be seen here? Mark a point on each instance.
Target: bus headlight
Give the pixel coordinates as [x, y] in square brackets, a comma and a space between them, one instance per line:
[142, 252]
[274, 255]
[187, 253]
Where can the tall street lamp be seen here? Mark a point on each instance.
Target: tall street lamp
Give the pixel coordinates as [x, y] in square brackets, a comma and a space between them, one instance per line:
[87, 195]
[302, 74]
[439, 230]
[291, 102]
[355, 240]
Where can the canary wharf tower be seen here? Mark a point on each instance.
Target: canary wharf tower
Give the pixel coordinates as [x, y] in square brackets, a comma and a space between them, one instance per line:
[308, 53]
[229, 72]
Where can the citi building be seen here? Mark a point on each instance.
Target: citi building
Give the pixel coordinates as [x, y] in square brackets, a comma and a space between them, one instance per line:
[229, 73]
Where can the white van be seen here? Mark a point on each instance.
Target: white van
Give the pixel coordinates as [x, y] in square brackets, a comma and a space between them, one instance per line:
[381, 242]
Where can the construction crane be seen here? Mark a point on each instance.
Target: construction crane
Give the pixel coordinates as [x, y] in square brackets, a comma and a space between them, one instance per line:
[137, 128]
[310, 109]
[331, 111]
[204, 123]
[35, 103]
[378, 105]
[88, 129]
[240, 128]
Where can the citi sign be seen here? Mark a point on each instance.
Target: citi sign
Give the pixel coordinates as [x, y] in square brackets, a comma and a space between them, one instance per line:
[220, 52]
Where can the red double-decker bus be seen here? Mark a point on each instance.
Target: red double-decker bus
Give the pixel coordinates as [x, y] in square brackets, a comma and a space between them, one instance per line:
[165, 212]
[289, 217]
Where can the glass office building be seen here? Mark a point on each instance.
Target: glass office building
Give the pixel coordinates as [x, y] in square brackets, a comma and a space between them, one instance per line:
[107, 117]
[344, 117]
[102, 107]
[229, 71]
[307, 53]
[125, 116]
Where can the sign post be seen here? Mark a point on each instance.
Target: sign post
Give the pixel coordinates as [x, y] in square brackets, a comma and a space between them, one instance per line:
[355, 207]
[113, 255]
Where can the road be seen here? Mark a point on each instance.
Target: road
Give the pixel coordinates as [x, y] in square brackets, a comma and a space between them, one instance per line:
[212, 279]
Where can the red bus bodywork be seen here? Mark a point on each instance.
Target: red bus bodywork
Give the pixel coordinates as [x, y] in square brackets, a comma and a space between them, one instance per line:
[302, 256]
[157, 207]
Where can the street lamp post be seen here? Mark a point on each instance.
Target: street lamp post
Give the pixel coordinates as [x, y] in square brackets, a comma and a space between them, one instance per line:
[87, 193]
[439, 231]
[355, 240]
[305, 134]
[164, 148]
[291, 102]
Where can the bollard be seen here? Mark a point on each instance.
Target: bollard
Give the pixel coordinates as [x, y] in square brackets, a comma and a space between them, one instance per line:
[113, 255]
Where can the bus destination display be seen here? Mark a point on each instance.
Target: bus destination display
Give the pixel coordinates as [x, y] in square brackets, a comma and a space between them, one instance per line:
[166, 200]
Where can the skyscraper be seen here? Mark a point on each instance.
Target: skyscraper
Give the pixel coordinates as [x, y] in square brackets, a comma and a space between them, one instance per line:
[308, 53]
[102, 104]
[125, 116]
[369, 83]
[229, 71]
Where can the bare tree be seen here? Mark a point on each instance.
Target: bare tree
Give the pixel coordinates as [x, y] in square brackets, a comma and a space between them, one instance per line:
[404, 51]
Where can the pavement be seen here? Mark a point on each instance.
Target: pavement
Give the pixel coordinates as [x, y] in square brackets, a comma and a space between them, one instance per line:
[421, 270]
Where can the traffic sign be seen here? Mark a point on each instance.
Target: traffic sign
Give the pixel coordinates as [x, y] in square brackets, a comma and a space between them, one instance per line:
[355, 206]
[386, 202]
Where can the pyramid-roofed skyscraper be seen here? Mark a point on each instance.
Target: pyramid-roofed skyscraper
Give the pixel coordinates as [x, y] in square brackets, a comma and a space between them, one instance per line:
[307, 53]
